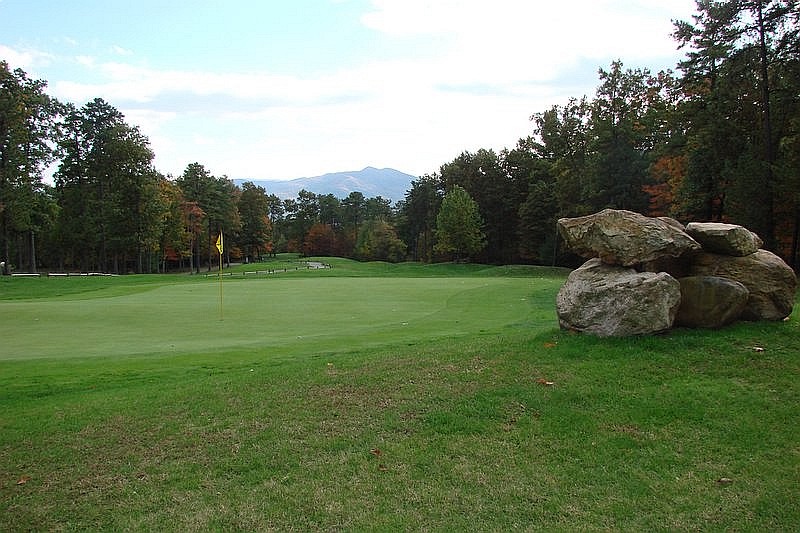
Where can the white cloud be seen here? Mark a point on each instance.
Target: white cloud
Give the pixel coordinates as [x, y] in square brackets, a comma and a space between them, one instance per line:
[26, 59]
[86, 61]
[148, 119]
[480, 70]
[519, 39]
[120, 51]
[127, 82]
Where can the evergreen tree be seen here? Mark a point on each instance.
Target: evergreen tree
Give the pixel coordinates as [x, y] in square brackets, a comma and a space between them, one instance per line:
[256, 233]
[197, 186]
[418, 217]
[106, 189]
[742, 53]
[27, 129]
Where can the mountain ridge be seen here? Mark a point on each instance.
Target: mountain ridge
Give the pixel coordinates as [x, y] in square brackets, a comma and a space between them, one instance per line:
[387, 183]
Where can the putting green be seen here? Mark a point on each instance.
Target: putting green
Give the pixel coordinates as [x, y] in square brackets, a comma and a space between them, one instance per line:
[287, 315]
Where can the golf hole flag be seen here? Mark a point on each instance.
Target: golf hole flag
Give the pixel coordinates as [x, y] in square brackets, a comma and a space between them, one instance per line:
[219, 243]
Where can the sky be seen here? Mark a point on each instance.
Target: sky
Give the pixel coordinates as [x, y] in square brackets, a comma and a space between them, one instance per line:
[283, 89]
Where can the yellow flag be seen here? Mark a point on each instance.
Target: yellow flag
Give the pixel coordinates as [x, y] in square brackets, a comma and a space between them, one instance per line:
[219, 243]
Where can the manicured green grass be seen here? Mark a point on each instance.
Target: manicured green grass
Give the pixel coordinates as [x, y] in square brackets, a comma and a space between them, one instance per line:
[417, 397]
[278, 314]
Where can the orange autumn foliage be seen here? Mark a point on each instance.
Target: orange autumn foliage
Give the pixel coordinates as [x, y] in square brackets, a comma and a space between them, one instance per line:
[667, 173]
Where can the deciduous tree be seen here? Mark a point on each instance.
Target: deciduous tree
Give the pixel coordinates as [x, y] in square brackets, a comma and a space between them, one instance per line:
[459, 225]
[378, 241]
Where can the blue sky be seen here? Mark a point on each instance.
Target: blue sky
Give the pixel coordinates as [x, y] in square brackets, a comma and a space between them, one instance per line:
[267, 89]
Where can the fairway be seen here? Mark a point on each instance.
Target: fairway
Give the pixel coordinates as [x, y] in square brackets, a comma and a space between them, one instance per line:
[287, 315]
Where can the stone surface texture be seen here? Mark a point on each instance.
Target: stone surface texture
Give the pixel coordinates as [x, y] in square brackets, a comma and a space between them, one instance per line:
[771, 282]
[710, 302]
[613, 301]
[624, 238]
[724, 239]
[631, 286]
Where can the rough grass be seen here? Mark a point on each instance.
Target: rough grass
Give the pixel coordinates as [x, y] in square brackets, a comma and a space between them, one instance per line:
[513, 425]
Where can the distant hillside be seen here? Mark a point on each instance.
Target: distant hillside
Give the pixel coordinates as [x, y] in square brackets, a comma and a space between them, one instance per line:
[371, 182]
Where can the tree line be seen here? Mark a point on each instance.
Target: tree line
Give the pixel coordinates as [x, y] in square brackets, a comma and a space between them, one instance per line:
[720, 141]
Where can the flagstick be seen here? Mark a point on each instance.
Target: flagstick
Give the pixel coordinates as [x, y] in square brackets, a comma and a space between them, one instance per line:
[220, 287]
[219, 249]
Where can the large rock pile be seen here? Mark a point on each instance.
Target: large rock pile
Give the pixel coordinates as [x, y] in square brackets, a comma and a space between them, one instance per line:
[647, 275]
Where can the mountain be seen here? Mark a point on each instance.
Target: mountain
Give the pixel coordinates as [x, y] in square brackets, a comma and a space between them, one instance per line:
[371, 182]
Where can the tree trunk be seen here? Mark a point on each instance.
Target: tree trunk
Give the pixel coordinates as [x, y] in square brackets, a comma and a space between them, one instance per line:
[795, 239]
[6, 250]
[20, 251]
[197, 252]
[769, 153]
[33, 251]
[210, 251]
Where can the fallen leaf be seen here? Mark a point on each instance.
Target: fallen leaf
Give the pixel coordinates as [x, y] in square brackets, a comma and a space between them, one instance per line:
[376, 452]
[549, 345]
[23, 480]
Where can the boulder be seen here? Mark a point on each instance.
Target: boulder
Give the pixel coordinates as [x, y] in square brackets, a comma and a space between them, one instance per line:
[612, 301]
[672, 222]
[677, 267]
[624, 238]
[710, 302]
[771, 282]
[725, 239]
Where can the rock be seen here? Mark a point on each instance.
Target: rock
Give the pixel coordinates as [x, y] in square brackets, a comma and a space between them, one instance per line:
[612, 301]
[725, 239]
[624, 238]
[723, 275]
[677, 267]
[710, 302]
[672, 222]
[771, 282]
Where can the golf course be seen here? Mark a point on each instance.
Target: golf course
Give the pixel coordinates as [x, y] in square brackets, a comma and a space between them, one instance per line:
[381, 397]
